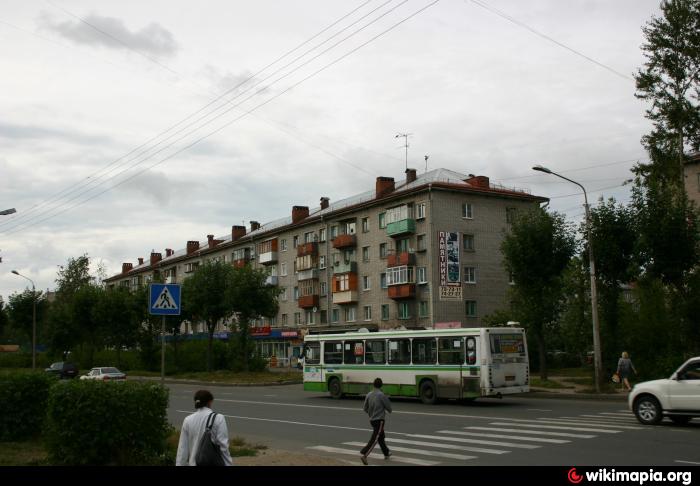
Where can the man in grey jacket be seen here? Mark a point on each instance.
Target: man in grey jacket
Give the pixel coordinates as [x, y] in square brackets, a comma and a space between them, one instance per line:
[376, 404]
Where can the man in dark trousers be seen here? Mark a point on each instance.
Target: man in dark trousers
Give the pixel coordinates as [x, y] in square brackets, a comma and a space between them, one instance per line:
[376, 404]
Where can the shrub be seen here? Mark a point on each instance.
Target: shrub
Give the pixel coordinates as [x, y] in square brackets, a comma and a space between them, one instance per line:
[23, 401]
[24, 360]
[107, 423]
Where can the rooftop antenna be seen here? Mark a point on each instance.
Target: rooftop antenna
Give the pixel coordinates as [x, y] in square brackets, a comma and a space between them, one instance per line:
[405, 136]
[426, 163]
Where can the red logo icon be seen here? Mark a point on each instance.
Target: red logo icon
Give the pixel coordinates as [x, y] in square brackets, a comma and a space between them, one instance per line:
[573, 477]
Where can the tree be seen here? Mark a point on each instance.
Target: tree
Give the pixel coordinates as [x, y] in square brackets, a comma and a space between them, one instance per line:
[536, 252]
[115, 312]
[20, 311]
[3, 317]
[74, 275]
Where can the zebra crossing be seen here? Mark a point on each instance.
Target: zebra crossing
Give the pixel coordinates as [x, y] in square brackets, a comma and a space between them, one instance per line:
[497, 437]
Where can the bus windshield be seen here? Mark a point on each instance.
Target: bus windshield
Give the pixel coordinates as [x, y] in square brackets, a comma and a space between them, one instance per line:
[507, 344]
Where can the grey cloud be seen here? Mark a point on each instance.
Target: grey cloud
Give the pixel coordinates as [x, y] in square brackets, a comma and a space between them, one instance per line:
[152, 39]
[13, 131]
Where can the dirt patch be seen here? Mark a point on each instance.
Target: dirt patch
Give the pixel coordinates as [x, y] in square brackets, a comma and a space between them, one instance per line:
[278, 457]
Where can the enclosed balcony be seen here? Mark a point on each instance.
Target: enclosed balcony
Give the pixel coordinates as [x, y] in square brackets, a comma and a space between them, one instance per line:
[344, 267]
[311, 273]
[308, 301]
[345, 297]
[402, 258]
[404, 291]
[267, 252]
[402, 227]
[345, 241]
[307, 249]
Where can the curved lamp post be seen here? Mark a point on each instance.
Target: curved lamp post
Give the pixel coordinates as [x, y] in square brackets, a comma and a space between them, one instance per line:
[8, 211]
[597, 360]
[33, 318]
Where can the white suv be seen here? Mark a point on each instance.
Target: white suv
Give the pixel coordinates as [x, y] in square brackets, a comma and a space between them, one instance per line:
[677, 397]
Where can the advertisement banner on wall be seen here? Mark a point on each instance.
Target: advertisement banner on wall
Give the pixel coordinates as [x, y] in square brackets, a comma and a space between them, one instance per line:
[448, 258]
[450, 293]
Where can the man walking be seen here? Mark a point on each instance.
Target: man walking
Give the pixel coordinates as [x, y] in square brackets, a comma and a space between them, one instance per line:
[376, 404]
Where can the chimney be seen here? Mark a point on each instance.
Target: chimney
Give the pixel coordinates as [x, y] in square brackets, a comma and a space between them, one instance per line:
[384, 186]
[410, 175]
[126, 267]
[155, 257]
[192, 246]
[299, 213]
[140, 260]
[237, 232]
[324, 202]
[254, 225]
[478, 181]
[168, 252]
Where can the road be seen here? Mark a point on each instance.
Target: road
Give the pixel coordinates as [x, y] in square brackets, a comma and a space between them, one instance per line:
[514, 431]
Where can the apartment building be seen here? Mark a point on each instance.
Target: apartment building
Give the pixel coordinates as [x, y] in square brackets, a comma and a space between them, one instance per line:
[420, 253]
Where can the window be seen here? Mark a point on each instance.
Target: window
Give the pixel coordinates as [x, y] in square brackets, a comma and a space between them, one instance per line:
[283, 242]
[375, 352]
[399, 351]
[322, 234]
[382, 220]
[322, 262]
[450, 350]
[365, 225]
[284, 319]
[470, 308]
[404, 310]
[399, 213]
[382, 250]
[354, 352]
[272, 270]
[309, 317]
[335, 315]
[348, 228]
[403, 245]
[309, 237]
[191, 267]
[283, 295]
[468, 242]
[470, 275]
[365, 253]
[690, 372]
[323, 288]
[422, 275]
[342, 283]
[297, 318]
[382, 280]
[366, 282]
[296, 293]
[333, 352]
[421, 242]
[510, 215]
[308, 287]
[420, 210]
[424, 351]
[350, 314]
[467, 211]
[334, 232]
[368, 313]
[399, 275]
[423, 309]
[324, 317]
[312, 353]
[306, 262]
[385, 312]
[283, 269]
[295, 241]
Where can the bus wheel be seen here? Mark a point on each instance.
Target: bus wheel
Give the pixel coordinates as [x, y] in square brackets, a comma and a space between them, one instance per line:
[335, 388]
[428, 394]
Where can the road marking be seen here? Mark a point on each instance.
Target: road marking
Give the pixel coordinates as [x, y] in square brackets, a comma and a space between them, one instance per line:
[537, 432]
[490, 442]
[686, 462]
[538, 410]
[269, 395]
[407, 460]
[429, 444]
[457, 439]
[422, 452]
[513, 437]
[620, 420]
[557, 427]
[616, 413]
[585, 422]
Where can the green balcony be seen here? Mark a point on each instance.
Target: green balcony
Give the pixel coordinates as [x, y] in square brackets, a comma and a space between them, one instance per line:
[403, 227]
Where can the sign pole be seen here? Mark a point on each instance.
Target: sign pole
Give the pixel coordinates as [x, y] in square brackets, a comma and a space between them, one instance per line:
[162, 354]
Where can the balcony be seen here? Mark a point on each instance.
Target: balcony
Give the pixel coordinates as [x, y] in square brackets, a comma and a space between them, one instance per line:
[402, 258]
[308, 301]
[344, 267]
[240, 263]
[403, 291]
[271, 280]
[400, 228]
[346, 241]
[345, 297]
[307, 249]
[309, 274]
[267, 258]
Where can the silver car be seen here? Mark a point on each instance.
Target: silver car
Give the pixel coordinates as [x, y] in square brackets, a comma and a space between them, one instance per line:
[104, 374]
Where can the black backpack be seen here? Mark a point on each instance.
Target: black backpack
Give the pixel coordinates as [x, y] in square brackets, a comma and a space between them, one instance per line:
[209, 453]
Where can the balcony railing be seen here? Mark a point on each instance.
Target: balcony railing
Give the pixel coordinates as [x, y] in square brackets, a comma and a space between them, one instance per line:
[344, 267]
[307, 249]
[267, 258]
[345, 241]
[402, 258]
[308, 301]
[307, 274]
[403, 227]
[404, 291]
[345, 297]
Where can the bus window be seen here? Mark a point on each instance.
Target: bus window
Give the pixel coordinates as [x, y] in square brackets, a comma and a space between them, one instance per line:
[399, 351]
[375, 352]
[471, 351]
[450, 350]
[424, 351]
[333, 352]
[312, 353]
[507, 344]
[354, 352]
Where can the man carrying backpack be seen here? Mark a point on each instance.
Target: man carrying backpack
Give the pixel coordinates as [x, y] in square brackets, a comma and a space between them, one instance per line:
[193, 430]
[376, 404]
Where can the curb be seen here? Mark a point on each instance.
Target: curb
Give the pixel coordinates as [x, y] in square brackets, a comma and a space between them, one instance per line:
[175, 381]
[573, 396]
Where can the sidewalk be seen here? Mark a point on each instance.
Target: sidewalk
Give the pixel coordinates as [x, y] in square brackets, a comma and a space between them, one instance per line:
[574, 391]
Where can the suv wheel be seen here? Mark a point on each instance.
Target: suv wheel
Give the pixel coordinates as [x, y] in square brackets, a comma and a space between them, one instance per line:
[648, 410]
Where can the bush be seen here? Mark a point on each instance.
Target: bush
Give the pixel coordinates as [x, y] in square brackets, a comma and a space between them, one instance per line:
[24, 360]
[23, 401]
[192, 356]
[107, 423]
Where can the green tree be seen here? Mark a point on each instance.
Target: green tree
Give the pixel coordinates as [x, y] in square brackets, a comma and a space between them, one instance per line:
[74, 275]
[3, 317]
[115, 313]
[575, 327]
[20, 312]
[536, 252]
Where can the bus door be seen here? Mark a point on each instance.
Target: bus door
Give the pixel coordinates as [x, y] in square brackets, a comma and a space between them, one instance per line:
[471, 374]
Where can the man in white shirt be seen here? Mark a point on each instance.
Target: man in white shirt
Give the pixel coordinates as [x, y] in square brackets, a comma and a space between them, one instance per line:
[193, 428]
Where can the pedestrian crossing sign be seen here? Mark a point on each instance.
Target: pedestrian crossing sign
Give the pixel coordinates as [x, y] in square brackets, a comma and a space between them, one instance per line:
[164, 299]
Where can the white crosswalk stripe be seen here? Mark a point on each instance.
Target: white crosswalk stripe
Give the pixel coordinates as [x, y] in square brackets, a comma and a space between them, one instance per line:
[422, 452]
[557, 427]
[406, 460]
[491, 442]
[563, 421]
[630, 419]
[535, 432]
[457, 439]
[437, 445]
[513, 437]
[618, 414]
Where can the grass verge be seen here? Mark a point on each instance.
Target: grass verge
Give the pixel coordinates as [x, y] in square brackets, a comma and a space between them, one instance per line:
[538, 383]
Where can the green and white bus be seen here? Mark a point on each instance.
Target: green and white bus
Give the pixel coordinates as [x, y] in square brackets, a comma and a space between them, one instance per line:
[465, 363]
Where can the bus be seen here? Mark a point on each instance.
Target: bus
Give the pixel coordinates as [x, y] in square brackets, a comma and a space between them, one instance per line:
[464, 364]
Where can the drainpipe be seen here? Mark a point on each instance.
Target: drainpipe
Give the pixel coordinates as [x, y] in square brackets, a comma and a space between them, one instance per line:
[431, 255]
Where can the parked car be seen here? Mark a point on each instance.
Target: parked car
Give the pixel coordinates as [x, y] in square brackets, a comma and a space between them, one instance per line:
[63, 370]
[677, 397]
[104, 374]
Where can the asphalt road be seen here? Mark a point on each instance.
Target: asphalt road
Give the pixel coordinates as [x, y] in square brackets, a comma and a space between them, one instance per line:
[514, 431]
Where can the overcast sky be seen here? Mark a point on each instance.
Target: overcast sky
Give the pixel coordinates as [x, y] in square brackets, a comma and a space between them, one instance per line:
[85, 84]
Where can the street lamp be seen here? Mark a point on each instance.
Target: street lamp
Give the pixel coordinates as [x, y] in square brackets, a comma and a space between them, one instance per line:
[8, 211]
[594, 294]
[33, 318]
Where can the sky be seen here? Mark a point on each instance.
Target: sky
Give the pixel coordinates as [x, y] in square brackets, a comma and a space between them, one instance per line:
[132, 126]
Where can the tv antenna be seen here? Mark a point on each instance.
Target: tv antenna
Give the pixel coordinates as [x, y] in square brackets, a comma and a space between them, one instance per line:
[405, 137]
[426, 162]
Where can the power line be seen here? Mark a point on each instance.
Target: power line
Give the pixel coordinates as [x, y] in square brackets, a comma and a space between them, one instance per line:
[618, 162]
[589, 192]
